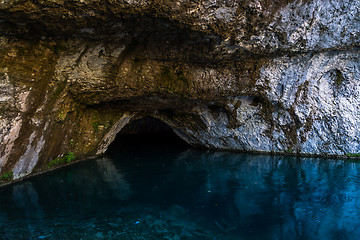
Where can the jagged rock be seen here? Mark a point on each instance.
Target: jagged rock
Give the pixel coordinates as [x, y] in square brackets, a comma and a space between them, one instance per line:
[268, 76]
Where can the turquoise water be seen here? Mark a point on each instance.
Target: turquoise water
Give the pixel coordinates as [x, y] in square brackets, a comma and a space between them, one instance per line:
[167, 192]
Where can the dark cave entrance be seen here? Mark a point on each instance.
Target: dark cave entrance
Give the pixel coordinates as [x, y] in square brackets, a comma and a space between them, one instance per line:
[146, 133]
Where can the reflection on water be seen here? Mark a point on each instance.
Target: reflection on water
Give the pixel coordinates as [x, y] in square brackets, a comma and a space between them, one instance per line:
[187, 194]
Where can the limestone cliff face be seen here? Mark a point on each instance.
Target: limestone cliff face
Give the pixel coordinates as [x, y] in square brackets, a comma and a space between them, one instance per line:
[260, 75]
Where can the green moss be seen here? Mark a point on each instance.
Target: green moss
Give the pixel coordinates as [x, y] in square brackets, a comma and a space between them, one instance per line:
[181, 76]
[173, 80]
[353, 155]
[95, 126]
[289, 151]
[60, 117]
[59, 90]
[168, 73]
[339, 78]
[67, 158]
[6, 177]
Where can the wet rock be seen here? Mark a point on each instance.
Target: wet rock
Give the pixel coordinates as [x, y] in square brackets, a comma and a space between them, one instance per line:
[269, 76]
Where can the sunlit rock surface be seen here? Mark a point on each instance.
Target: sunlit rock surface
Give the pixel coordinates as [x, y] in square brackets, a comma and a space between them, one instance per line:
[270, 76]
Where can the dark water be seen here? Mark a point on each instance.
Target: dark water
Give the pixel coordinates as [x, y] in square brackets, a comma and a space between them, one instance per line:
[179, 193]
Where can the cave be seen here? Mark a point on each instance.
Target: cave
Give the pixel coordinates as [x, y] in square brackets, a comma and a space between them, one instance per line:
[147, 132]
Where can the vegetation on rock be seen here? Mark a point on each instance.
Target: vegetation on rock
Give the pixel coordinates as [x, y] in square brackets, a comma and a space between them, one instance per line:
[353, 155]
[6, 177]
[67, 158]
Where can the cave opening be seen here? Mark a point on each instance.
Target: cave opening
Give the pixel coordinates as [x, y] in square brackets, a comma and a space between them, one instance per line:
[146, 133]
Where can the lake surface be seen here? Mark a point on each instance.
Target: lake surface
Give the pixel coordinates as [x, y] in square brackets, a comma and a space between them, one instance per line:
[167, 192]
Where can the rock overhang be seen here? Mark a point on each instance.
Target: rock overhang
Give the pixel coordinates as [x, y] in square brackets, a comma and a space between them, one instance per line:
[240, 75]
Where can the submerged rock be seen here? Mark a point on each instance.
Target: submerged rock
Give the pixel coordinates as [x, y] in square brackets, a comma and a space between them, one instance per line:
[269, 76]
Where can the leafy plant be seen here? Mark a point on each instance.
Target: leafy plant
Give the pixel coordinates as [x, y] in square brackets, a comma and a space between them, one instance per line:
[95, 126]
[67, 158]
[354, 155]
[6, 177]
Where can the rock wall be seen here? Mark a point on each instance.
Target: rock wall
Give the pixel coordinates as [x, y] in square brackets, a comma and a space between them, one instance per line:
[269, 76]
